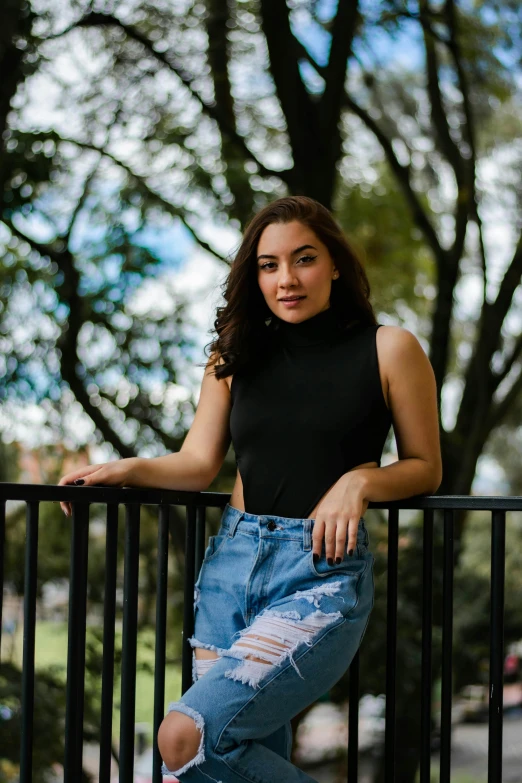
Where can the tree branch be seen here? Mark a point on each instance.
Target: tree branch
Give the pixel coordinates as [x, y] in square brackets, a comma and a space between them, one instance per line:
[469, 129]
[217, 17]
[300, 112]
[480, 381]
[213, 110]
[495, 313]
[170, 442]
[170, 208]
[403, 176]
[81, 201]
[343, 32]
[509, 362]
[499, 410]
[43, 248]
[438, 113]
[68, 341]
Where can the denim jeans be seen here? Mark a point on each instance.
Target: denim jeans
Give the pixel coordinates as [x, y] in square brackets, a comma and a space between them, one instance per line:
[260, 594]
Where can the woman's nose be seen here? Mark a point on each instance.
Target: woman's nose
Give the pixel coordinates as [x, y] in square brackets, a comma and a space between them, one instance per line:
[287, 276]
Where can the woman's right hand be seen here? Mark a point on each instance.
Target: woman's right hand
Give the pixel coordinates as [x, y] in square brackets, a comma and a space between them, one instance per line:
[114, 474]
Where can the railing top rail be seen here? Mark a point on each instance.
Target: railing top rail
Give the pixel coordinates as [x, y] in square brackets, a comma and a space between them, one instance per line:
[146, 496]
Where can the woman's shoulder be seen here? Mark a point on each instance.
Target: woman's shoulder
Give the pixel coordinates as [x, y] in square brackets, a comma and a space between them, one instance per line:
[396, 348]
[396, 337]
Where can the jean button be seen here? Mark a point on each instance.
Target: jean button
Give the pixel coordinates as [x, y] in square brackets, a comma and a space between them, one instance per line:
[271, 525]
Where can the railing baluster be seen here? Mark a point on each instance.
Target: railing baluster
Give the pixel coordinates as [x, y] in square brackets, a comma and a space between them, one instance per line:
[188, 606]
[427, 602]
[496, 659]
[353, 718]
[200, 538]
[161, 636]
[130, 634]
[447, 648]
[76, 644]
[109, 617]
[391, 645]
[30, 565]
[2, 557]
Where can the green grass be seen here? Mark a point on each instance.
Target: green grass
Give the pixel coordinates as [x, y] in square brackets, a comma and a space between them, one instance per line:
[465, 778]
[459, 777]
[51, 648]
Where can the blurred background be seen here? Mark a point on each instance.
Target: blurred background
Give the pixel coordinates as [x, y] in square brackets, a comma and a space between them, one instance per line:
[137, 139]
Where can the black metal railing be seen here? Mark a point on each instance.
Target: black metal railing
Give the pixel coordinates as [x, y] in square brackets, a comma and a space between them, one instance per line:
[196, 504]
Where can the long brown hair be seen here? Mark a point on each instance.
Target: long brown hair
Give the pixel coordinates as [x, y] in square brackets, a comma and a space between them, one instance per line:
[242, 333]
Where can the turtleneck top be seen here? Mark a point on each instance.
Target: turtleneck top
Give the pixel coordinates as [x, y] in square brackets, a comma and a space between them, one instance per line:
[312, 409]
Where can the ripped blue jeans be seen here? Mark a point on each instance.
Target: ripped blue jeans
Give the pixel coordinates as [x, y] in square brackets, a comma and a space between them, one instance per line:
[285, 630]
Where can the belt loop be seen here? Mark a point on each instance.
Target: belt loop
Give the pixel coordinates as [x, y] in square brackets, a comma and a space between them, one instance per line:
[234, 523]
[307, 535]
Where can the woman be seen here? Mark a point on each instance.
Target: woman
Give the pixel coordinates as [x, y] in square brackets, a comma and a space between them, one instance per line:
[306, 385]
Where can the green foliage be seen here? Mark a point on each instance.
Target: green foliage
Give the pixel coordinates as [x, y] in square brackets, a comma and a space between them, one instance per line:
[472, 597]
[48, 720]
[29, 162]
[379, 222]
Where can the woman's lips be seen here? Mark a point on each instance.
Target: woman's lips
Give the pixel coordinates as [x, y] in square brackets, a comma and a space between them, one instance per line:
[292, 302]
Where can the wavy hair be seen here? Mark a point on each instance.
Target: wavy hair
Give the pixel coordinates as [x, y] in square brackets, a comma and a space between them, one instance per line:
[241, 324]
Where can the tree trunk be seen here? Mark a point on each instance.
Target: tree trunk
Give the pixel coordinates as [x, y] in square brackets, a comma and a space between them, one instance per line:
[16, 19]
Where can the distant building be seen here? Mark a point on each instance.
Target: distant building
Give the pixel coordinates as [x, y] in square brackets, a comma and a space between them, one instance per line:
[46, 464]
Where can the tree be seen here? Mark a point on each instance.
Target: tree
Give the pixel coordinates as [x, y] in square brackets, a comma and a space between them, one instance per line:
[162, 132]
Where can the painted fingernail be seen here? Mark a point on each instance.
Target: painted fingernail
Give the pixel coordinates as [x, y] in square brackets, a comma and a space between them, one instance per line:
[330, 561]
[338, 560]
[350, 552]
[79, 482]
[316, 557]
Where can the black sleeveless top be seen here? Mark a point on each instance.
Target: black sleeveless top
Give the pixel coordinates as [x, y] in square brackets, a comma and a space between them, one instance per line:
[309, 411]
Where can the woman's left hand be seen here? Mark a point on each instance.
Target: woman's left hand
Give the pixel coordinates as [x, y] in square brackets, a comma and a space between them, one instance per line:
[338, 516]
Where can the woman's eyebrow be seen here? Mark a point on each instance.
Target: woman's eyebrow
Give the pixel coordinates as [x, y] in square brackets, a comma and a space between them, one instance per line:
[297, 250]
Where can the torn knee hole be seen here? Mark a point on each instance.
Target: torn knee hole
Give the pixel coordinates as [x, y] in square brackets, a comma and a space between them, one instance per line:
[205, 654]
[179, 756]
[204, 660]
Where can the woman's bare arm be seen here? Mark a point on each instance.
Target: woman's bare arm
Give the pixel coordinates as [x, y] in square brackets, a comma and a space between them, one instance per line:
[413, 404]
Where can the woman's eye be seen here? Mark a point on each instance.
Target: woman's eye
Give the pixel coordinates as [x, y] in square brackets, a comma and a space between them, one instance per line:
[271, 263]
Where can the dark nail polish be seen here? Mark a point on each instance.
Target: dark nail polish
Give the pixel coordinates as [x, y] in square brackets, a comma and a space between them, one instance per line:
[350, 552]
[79, 482]
[330, 561]
[316, 557]
[338, 560]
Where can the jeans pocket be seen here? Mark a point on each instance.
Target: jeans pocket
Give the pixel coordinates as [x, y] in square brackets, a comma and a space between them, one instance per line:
[214, 546]
[349, 564]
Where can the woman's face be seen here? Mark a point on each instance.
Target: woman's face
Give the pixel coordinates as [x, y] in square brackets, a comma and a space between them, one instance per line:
[298, 265]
